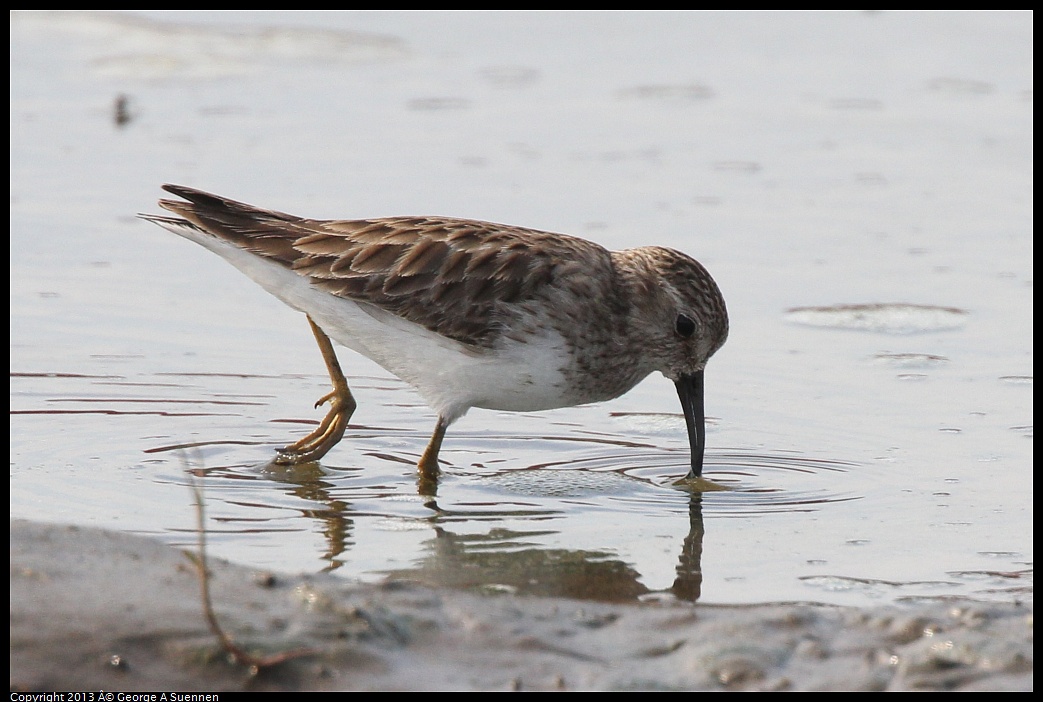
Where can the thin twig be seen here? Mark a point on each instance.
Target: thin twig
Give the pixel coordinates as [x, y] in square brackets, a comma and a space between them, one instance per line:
[234, 651]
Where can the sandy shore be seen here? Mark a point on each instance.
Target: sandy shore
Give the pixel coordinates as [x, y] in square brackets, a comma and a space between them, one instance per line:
[98, 610]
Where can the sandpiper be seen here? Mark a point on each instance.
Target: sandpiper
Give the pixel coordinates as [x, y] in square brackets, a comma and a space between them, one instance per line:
[470, 313]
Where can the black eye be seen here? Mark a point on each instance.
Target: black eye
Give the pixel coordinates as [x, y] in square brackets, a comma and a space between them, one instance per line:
[684, 326]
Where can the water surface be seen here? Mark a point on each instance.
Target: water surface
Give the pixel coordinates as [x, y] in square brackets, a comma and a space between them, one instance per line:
[859, 184]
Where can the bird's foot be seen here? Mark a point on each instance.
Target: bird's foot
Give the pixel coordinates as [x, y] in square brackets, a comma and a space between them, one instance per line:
[330, 431]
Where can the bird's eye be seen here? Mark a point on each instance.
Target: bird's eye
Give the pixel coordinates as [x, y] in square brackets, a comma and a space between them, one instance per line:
[684, 326]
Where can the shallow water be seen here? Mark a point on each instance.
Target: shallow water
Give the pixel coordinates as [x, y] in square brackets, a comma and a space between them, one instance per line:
[859, 184]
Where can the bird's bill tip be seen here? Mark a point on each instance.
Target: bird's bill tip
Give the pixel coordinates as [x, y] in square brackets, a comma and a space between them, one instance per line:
[690, 391]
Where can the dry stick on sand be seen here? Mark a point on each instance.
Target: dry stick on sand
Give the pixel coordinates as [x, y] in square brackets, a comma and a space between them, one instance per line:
[235, 652]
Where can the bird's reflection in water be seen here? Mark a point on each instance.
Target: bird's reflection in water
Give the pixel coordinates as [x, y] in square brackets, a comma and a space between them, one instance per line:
[688, 584]
[510, 530]
[309, 483]
[500, 559]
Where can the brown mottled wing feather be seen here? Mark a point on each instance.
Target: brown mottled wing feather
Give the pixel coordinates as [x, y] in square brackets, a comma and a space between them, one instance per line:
[264, 232]
[455, 277]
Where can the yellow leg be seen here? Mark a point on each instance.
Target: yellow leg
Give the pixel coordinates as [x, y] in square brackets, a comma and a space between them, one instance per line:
[429, 461]
[318, 443]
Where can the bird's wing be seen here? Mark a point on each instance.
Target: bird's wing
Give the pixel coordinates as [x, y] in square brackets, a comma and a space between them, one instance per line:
[456, 277]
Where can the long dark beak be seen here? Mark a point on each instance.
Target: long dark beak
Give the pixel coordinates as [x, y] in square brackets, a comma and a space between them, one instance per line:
[690, 390]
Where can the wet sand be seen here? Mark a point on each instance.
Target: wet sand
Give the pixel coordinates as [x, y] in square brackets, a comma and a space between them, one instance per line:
[100, 610]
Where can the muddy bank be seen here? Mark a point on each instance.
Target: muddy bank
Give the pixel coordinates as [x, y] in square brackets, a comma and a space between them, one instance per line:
[99, 610]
